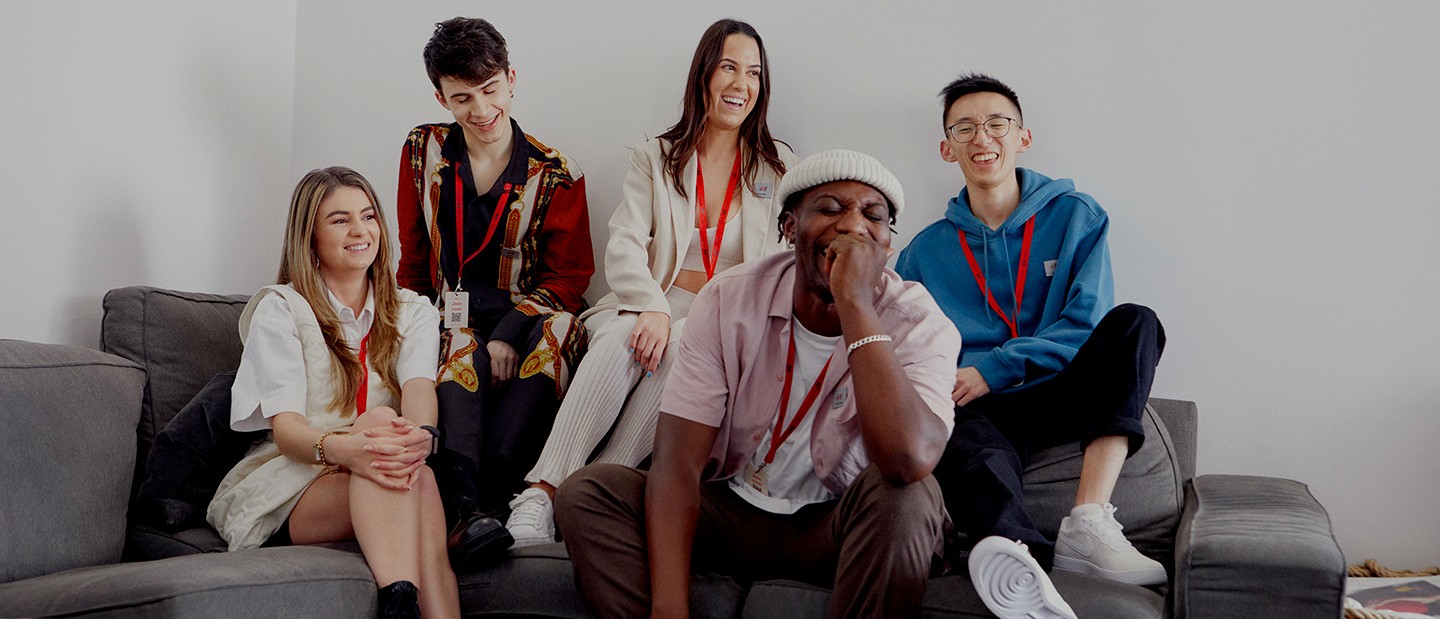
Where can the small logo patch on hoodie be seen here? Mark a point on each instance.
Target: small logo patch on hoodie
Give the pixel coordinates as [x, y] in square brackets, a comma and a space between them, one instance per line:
[1050, 267]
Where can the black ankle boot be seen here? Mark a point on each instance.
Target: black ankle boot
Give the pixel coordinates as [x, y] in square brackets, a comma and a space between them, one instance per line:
[475, 537]
[399, 600]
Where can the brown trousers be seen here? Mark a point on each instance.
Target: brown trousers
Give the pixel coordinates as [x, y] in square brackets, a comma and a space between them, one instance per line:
[874, 545]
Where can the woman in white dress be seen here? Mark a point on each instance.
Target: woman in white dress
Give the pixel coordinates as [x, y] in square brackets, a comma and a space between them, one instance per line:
[339, 364]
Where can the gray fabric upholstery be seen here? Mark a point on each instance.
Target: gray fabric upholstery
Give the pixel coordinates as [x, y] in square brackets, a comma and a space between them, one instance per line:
[181, 339]
[1180, 417]
[144, 543]
[1255, 547]
[300, 581]
[66, 453]
[954, 596]
[540, 581]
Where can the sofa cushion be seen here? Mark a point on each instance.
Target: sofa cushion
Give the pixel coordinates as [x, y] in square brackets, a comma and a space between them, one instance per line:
[181, 339]
[189, 458]
[66, 452]
[145, 543]
[1148, 495]
[296, 581]
[955, 596]
[539, 581]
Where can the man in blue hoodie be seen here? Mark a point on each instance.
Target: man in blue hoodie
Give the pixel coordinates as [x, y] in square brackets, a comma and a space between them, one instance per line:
[1021, 266]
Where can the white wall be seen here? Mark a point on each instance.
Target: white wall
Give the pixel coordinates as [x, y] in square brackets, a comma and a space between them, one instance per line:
[144, 144]
[1259, 163]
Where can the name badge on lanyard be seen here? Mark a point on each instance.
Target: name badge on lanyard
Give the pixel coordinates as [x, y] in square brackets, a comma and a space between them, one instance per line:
[457, 309]
[755, 475]
[457, 302]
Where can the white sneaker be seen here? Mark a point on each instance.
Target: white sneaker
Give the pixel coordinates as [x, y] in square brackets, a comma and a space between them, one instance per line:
[532, 518]
[1093, 542]
[1011, 583]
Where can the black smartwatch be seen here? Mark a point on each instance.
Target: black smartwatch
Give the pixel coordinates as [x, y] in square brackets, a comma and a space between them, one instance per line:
[434, 437]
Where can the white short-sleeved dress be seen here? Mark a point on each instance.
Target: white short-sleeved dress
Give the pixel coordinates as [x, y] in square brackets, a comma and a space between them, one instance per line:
[286, 367]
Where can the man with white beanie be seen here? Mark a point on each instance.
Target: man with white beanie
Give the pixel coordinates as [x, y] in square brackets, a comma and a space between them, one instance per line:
[809, 402]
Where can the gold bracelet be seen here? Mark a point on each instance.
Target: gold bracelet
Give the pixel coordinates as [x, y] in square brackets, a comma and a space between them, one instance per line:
[320, 447]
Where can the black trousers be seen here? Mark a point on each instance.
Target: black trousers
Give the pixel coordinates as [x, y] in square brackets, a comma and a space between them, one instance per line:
[1102, 392]
[494, 434]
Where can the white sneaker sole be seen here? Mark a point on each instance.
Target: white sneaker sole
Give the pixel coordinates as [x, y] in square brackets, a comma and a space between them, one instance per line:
[1143, 578]
[521, 542]
[1012, 584]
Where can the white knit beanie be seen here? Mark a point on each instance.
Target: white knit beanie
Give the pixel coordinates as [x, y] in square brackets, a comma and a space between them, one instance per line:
[842, 165]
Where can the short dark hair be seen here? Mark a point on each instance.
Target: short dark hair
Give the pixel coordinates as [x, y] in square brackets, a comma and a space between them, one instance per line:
[971, 83]
[465, 48]
[792, 202]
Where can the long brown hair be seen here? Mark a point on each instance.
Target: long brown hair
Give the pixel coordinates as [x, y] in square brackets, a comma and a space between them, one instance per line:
[300, 267]
[756, 145]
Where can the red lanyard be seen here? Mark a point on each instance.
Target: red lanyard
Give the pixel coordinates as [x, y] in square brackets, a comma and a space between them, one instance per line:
[500, 205]
[706, 255]
[363, 394]
[1019, 277]
[778, 437]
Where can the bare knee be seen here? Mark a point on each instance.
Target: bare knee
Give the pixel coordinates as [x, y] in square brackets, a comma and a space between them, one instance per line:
[378, 416]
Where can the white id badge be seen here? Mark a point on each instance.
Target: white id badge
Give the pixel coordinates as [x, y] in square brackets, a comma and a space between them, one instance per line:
[757, 478]
[457, 310]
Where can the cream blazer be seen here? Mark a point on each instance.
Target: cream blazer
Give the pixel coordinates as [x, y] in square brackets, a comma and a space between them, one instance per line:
[651, 229]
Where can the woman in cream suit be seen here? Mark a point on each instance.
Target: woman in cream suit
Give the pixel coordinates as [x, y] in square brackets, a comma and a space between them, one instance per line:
[700, 198]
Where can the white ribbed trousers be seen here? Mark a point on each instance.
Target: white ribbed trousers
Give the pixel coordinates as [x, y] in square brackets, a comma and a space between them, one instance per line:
[597, 398]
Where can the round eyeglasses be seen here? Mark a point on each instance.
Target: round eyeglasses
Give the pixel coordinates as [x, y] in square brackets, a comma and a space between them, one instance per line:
[964, 131]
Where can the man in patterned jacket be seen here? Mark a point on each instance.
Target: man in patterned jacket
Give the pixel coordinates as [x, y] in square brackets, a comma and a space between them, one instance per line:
[494, 228]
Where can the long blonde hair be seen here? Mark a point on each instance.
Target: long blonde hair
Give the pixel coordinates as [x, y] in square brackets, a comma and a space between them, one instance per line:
[300, 267]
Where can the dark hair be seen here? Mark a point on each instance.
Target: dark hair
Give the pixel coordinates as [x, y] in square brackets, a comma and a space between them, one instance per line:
[792, 202]
[971, 83]
[684, 137]
[467, 49]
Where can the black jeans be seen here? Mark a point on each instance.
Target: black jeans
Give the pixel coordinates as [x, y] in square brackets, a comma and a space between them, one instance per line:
[1102, 392]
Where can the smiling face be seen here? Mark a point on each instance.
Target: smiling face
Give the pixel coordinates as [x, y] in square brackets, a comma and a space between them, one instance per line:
[986, 162]
[825, 212]
[734, 85]
[347, 232]
[483, 109]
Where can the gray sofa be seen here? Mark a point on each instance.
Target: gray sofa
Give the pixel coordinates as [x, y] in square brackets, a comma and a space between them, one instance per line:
[77, 421]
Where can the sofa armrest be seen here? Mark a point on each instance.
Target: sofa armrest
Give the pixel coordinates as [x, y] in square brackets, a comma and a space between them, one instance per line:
[1255, 547]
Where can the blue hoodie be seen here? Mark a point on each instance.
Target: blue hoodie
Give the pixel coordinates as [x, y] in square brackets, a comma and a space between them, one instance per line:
[1068, 288]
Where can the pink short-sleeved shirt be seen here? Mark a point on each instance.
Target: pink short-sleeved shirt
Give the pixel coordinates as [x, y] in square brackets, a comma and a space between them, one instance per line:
[730, 367]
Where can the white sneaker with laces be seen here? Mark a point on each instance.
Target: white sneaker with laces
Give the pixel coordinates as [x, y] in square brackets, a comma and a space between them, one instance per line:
[1012, 584]
[532, 518]
[1093, 542]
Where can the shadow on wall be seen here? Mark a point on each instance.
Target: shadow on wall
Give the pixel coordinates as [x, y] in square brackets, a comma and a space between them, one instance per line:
[106, 250]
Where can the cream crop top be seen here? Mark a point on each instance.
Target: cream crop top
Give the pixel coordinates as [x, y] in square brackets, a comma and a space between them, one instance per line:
[731, 250]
